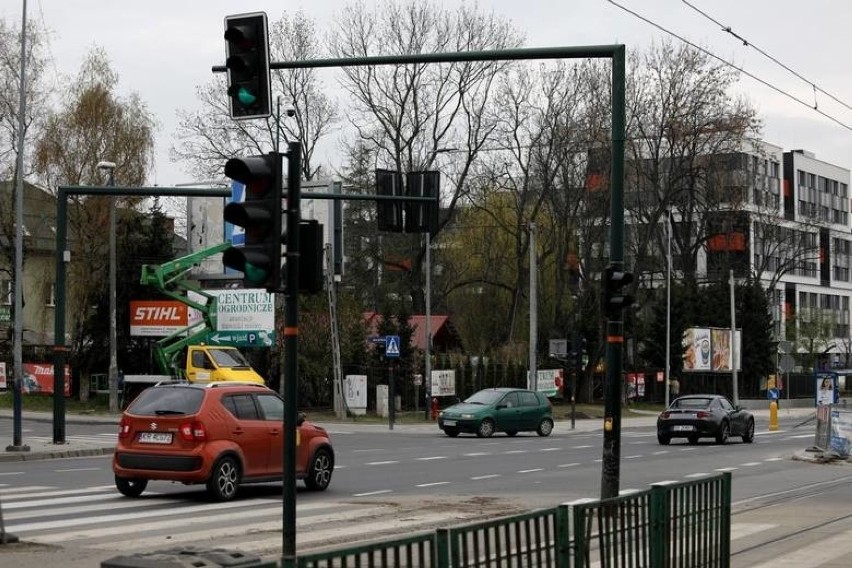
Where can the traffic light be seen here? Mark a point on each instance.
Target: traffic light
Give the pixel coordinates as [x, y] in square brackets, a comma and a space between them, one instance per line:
[259, 259]
[389, 213]
[310, 257]
[422, 216]
[615, 299]
[578, 348]
[247, 60]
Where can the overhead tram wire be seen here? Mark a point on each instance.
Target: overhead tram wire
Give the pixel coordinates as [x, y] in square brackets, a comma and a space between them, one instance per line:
[729, 64]
[747, 43]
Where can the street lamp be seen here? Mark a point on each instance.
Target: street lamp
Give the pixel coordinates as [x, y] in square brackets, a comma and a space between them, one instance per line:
[113, 356]
[668, 305]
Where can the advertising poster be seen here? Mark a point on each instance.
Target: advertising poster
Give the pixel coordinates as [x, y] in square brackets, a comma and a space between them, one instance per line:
[635, 385]
[826, 389]
[549, 382]
[3, 375]
[38, 379]
[696, 349]
[841, 432]
[443, 383]
[720, 341]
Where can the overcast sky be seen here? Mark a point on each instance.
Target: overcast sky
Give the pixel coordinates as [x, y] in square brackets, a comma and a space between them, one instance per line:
[163, 49]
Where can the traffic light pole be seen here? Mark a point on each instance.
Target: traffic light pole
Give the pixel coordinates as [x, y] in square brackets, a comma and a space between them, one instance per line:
[60, 349]
[291, 352]
[611, 463]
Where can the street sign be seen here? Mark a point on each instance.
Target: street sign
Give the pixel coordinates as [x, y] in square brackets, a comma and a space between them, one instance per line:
[392, 346]
[248, 338]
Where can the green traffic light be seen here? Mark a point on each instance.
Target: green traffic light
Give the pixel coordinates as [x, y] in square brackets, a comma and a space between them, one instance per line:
[254, 274]
[246, 97]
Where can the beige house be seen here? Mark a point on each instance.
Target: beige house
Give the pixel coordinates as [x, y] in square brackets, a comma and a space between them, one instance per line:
[39, 271]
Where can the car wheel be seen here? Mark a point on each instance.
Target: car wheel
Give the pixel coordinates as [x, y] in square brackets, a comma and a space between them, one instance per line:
[663, 440]
[724, 432]
[225, 479]
[748, 437]
[486, 428]
[545, 427]
[511, 433]
[130, 487]
[692, 440]
[451, 432]
[319, 474]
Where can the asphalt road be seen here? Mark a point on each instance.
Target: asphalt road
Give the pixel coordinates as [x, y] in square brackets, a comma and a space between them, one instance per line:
[386, 482]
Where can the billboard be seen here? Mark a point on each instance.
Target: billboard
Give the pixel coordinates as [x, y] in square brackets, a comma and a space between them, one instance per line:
[38, 379]
[548, 382]
[157, 318]
[709, 349]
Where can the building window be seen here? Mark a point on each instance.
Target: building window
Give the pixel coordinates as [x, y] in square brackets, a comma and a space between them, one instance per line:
[50, 301]
[6, 292]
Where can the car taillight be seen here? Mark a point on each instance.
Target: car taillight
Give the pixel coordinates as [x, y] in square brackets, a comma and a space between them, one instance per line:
[193, 431]
[124, 429]
[702, 414]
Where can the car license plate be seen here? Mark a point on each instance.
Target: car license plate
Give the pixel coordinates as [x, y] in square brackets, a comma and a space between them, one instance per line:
[449, 422]
[155, 437]
[683, 428]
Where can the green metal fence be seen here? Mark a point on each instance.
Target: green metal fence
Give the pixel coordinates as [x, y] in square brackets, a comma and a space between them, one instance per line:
[671, 525]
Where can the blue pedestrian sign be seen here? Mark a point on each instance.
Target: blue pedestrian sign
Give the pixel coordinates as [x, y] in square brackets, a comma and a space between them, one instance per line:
[391, 346]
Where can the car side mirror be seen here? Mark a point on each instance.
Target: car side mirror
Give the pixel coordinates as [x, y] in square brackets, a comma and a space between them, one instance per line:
[300, 419]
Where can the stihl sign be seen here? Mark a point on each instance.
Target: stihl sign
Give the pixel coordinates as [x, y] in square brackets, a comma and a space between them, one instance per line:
[157, 317]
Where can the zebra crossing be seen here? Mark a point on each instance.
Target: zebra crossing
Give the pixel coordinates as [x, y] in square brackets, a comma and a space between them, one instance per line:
[98, 518]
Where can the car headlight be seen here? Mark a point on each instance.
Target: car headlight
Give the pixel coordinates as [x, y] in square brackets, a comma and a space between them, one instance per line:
[467, 416]
[441, 414]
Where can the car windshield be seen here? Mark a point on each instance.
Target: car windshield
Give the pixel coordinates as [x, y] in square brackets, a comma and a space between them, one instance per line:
[158, 401]
[485, 397]
[228, 357]
[692, 403]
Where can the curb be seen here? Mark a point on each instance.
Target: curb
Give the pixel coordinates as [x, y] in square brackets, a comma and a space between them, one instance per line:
[49, 455]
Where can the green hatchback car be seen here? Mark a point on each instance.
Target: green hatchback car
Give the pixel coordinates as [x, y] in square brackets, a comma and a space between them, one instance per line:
[499, 410]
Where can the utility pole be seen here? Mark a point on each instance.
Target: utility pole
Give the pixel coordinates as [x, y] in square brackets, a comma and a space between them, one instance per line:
[735, 384]
[113, 339]
[17, 443]
[533, 310]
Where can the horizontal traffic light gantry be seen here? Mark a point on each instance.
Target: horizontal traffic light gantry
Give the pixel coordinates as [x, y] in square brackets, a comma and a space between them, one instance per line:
[615, 297]
[259, 259]
[247, 61]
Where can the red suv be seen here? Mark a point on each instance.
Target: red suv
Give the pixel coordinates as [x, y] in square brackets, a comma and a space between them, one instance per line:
[220, 434]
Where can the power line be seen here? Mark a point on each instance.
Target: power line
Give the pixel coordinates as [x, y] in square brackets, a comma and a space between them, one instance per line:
[729, 64]
[768, 56]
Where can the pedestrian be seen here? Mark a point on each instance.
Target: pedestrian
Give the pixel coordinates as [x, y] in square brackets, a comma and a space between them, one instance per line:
[674, 388]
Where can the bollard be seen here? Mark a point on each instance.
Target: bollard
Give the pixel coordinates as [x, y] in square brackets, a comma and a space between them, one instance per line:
[773, 416]
[434, 409]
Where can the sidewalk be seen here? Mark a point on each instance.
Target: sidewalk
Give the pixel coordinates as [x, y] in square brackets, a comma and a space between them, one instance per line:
[80, 446]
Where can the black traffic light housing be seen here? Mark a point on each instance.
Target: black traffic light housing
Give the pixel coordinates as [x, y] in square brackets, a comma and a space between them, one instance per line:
[389, 213]
[247, 61]
[310, 257]
[615, 298]
[259, 259]
[422, 216]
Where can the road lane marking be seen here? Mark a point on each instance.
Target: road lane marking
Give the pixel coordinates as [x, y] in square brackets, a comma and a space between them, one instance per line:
[477, 454]
[633, 457]
[531, 470]
[749, 464]
[12, 473]
[723, 469]
[480, 477]
[433, 484]
[77, 469]
[661, 452]
[432, 458]
[569, 464]
[372, 493]
[515, 452]
[774, 459]
[550, 449]
[382, 462]
[581, 447]
[699, 474]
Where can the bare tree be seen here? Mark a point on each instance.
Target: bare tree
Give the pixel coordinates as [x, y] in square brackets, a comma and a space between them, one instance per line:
[409, 115]
[206, 138]
[682, 125]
